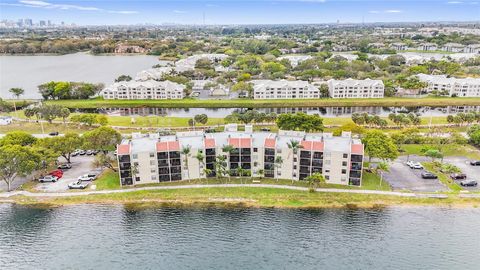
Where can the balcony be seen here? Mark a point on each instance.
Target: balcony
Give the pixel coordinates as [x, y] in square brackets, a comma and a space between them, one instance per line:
[124, 158]
[305, 154]
[246, 159]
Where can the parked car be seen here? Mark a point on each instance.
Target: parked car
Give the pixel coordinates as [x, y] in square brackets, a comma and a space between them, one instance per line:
[265, 129]
[468, 183]
[48, 178]
[81, 152]
[89, 152]
[53, 133]
[65, 166]
[77, 185]
[458, 176]
[58, 173]
[428, 175]
[88, 177]
[417, 166]
[475, 162]
[410, 163]
[76, 153]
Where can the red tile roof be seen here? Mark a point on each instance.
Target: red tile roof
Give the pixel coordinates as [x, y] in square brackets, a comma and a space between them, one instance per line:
[312, 146]
[123, 149]
[240, 142]
[168, 146]
[209, 143]
[270, 143]
[357, 149]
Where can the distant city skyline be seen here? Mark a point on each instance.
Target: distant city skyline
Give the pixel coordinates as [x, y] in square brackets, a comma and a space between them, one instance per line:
[125, 12]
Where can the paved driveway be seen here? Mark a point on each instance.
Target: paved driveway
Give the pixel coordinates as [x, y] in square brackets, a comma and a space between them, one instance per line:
[472, 172]
[80, 165]
[401, 177]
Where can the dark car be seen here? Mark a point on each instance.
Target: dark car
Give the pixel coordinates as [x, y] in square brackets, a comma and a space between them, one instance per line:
[458, 176]
[428, 175]
[475, 162]
[264, 129]
[469, 183]
[54, 133]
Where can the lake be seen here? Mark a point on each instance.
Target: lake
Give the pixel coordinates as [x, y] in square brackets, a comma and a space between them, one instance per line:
[116, 237]
[28, 72]
[327, 112]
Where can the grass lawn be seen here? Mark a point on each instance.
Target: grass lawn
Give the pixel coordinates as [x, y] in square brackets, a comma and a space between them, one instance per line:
[372, 181]
[248, 196]
[444, 178]
[108, 180]
[250, 103]
[35, 128]
[448, 150]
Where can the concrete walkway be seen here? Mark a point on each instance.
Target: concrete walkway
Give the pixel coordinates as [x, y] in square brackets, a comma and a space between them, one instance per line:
[326, 190]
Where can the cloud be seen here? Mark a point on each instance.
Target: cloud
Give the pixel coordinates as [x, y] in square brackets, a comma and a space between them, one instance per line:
[179, 11]
[47, 5]
[385, 11]
[454, 2]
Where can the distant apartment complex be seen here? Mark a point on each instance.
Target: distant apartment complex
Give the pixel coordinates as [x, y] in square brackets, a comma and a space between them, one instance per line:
[282, 89]
[144, 90]
[465, 87]
[351, 88]
[153, 158]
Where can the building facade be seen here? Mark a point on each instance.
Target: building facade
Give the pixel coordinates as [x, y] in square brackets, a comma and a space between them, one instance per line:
[152, 158]
[465, 87]
[144, 90]
[351, 88]
[283, 89]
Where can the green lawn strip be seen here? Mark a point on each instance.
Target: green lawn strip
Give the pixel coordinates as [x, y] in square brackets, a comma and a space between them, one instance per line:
[108, 180]
[372, 181]
[269, 103]
[467, 151]
[444, 178]
[249, 196]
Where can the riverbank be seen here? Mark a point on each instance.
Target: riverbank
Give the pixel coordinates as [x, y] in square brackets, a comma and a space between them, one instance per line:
[246, 196]
[269, 103]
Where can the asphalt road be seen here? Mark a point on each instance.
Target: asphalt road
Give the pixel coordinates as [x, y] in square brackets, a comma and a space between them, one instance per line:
[401, 177]
[472, 172]
[80, 165]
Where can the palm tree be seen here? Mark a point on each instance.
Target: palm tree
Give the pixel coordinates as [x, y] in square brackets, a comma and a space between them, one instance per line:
[16, 92]
[206, 172]
[186, 153]
[278, 165]
[200, 157]
[294, 145]
[228, 149]
[220, 165]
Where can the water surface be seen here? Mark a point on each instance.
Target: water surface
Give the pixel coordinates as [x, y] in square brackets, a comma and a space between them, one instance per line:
[114, 237]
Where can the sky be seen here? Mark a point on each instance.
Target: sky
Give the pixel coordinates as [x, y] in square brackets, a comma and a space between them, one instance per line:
[113, 12]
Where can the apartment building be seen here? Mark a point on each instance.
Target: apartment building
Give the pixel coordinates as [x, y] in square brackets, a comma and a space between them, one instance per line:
[453, 47]
[351, 88]
[144, 90]
[283, 89]
[464, 87]
[152, 158]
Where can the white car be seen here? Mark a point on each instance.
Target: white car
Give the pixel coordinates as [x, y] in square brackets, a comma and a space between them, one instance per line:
[87, 177]
[48, 178]
[410, 163]
[417, 165]
[77, 185]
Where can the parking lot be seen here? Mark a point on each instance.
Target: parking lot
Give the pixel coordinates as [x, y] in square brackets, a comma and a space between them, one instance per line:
[80, 165]
[401, 177]
[472, 172]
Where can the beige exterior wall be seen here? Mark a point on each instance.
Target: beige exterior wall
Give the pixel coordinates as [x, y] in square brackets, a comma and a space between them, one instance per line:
[147, 168]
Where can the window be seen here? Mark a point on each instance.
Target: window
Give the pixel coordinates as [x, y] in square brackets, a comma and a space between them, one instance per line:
[344, 163]
[327, 171]
[153, 170]
[152, 162]
[134, 156]
[152, 155]
[344, 171]
[154, 177]
[345, 155]
[255, 150]
[137, 178]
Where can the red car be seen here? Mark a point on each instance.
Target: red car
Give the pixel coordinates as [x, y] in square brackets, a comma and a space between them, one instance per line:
[57, 173]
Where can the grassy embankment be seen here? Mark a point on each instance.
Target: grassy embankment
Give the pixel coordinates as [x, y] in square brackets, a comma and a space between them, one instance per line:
[467, 151]
[266, 103]
[442, 177]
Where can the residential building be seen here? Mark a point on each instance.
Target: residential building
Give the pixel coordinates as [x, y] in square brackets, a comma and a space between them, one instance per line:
[282, 89]
[427, 47]
[464, 87]
[399, 46]
[144, 90]
[129, 49]
[152, 158]
[472, 48]
[453, 47]
[351, 88]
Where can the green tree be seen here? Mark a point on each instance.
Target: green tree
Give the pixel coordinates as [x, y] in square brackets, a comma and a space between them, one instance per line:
[16, 92]
[64, 114]
[123, 78]
[103, 160]
[201, 118]
[102, 138]
[49, 112]
[300, 121]
[314, 181]
[63, 145]
[474, 134]
[278, 165]
[201, 161]
[186, 152]
[17, 160]
[382, 167]
[379, 145]
[17, 138]
[433, 154]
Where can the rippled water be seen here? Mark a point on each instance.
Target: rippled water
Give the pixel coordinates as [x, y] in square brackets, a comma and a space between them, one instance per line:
[113, 237]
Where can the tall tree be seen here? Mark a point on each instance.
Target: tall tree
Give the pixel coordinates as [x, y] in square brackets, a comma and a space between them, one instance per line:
[186, 151]
[16, 92]
[18, 138]
[63, 145]
[278, 165]
[379, 145]
[17, 160]
[201, 161]
[102, 138]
